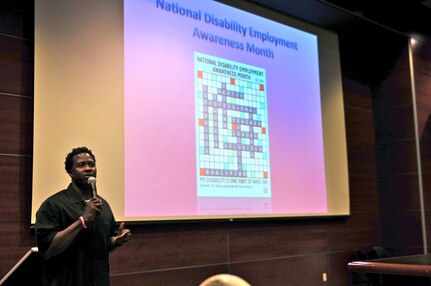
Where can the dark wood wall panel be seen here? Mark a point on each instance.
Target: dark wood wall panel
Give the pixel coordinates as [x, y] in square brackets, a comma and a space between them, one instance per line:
[357, 94]
[422, 76]
[16, 130]
[339, 276]
[273, 240]
[16, 62]
[359, 231]
[15, 187]
[428, 228]
[403, 231]
[422, 61]
[301, 270]
[397, 157]
[424, 122]
[361, 158]
[423, 88]
[17, 18]
[363, 194]
[361, 125]
[396, 89]
[426, 181]
[396, 191]
[397, 161]
[16, 241]
[423, 91]
[426, 156]
[395, 123]
[171, 246]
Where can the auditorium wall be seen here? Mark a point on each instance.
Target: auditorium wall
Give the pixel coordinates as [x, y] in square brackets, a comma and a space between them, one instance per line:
[382, 161]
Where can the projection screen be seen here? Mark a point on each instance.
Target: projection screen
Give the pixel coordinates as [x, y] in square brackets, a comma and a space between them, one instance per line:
[193, 109]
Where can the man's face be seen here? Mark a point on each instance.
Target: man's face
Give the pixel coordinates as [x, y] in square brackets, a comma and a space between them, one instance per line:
[83, 167]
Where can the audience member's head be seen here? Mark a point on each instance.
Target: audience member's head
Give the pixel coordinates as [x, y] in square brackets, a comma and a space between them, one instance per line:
[224, 280]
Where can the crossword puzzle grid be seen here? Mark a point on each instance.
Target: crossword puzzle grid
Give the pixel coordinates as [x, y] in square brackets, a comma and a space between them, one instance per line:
[233, 140]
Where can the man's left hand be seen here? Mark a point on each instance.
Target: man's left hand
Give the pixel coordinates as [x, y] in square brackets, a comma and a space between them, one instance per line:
[123, 236]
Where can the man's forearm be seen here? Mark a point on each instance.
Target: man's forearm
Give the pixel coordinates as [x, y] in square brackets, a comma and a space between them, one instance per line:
[63, 239]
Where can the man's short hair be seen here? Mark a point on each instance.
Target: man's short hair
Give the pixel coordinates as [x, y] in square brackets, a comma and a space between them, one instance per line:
[75, 151]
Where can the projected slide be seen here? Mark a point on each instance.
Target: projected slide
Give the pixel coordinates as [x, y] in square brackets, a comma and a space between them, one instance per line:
[232, 129]
[203, 110]
[222, 112]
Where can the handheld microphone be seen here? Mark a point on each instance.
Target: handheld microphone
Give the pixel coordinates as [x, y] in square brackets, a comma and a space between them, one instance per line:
[92, 182]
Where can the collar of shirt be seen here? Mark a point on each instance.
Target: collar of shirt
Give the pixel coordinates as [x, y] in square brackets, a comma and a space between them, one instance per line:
[73, 195]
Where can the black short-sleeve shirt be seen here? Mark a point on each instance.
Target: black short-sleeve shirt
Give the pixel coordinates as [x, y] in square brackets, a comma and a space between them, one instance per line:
[86, 261]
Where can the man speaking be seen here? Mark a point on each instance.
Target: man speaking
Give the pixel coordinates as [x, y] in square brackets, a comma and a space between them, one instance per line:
[76, 229]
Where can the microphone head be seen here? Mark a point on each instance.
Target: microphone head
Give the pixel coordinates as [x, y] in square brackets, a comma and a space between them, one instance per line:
[91, 180]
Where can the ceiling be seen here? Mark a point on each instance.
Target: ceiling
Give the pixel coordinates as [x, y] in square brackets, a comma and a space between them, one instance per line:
[366, 29]
[408, 17]
[411, 18]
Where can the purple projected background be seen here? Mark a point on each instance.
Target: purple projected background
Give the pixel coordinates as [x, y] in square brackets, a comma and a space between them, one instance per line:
[160, 149]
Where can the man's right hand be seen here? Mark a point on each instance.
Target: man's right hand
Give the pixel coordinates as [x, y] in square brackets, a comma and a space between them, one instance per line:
[93, 208]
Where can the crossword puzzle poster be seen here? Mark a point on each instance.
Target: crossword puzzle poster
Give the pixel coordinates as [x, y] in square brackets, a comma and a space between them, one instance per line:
[232, 154]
